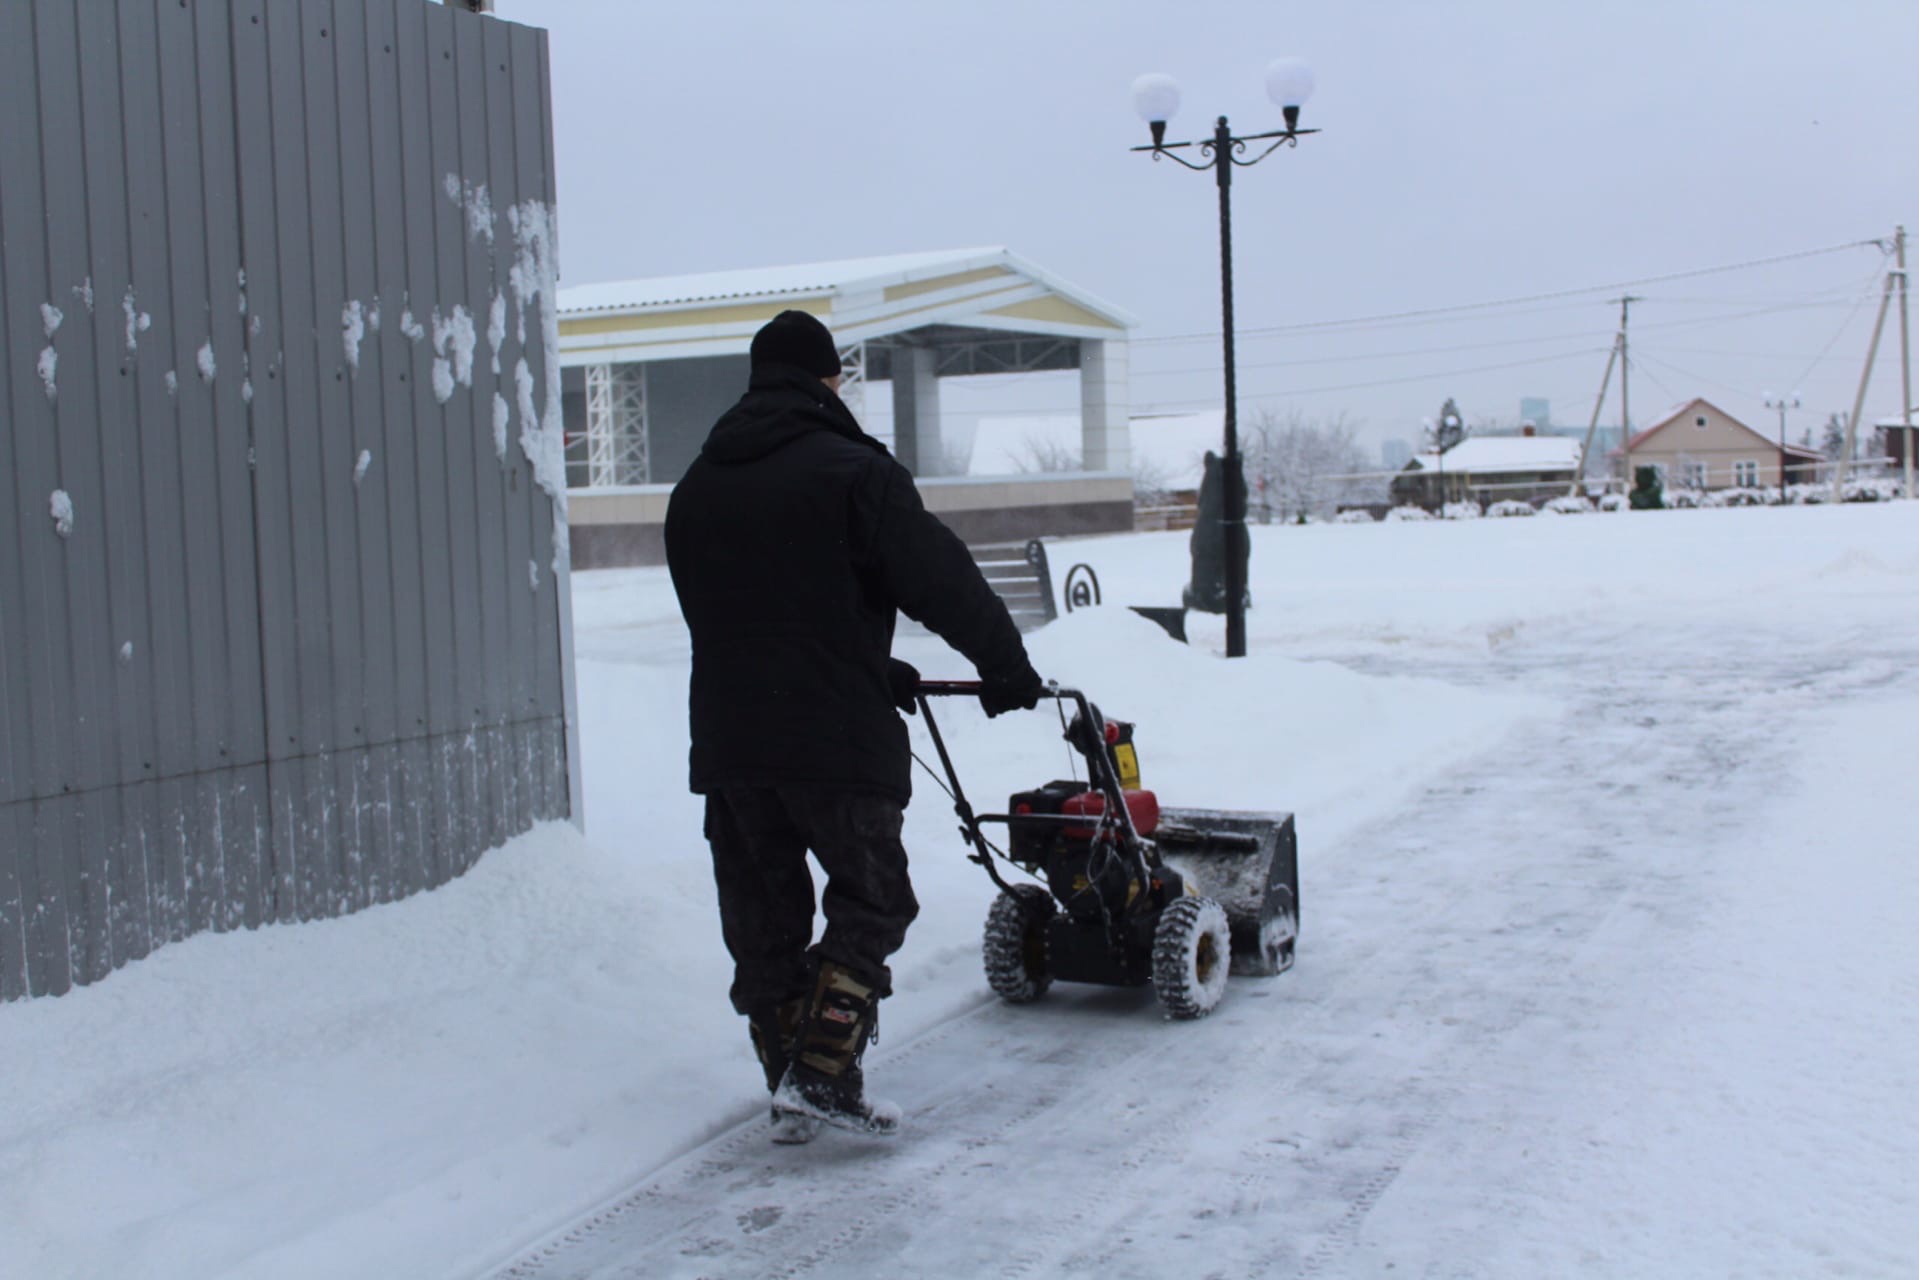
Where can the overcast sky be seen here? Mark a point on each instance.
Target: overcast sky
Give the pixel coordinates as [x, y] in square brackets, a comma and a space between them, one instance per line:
[1472, 152]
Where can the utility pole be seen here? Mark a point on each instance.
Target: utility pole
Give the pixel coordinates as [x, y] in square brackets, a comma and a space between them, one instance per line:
[1585, 449]
[1865, 377]
[1905, 360]
[1625, 399]
[1782, 403]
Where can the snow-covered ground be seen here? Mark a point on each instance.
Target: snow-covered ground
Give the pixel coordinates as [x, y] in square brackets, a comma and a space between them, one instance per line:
[1607, 828]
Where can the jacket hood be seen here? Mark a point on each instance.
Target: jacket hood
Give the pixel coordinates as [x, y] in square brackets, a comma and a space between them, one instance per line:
[781, 404]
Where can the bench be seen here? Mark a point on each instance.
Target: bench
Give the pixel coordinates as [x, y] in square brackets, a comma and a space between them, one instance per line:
[1021, 576]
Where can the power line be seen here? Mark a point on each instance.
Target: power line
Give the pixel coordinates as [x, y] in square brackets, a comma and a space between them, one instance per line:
[1385, 317]
[1826, 350]
[1387, 382]
[1372, 355]
[1684, 373]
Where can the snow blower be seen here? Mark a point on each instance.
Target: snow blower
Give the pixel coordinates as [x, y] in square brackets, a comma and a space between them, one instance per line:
[1132, 893]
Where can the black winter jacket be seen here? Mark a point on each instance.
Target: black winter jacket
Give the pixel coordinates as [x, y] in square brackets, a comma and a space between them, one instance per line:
[792, 540]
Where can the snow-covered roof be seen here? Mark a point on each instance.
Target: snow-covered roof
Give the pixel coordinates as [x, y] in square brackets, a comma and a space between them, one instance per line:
[1897, 421]
[716, 313]
[1492, 455]
[809, 278]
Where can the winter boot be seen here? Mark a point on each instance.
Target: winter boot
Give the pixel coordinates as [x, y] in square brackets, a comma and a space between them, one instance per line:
[773, 1036]
[824, 1080]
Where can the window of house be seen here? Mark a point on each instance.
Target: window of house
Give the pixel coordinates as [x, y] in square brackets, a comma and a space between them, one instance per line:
[1745, 473]
[1699, 422]
[1694, 473]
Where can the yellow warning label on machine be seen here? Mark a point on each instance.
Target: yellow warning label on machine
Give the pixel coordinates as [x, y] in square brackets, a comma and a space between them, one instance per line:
[1127, 762]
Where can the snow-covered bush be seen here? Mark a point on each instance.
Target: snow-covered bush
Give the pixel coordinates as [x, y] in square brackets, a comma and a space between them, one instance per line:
[1613, 502]
[1510, 507]
[1876, 489]
[1682, 499]
[1567, 504]
[1461, 511]
[1743, 497]
[1356, 515]
[1409, 513]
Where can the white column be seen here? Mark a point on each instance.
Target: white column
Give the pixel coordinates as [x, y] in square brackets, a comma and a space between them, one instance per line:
[600, 446]
[616, 434]
[916, 410]
[853, 379]
[1105, 404]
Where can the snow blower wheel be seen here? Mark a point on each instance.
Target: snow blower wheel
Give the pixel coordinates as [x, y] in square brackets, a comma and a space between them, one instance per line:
[1014, 948]
[1192, 950]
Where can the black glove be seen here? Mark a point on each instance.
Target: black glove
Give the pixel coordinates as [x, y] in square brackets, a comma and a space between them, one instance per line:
[903, 682]
[1018, 692]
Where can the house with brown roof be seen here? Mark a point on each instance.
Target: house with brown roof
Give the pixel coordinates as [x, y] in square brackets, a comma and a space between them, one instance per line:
[1701, 446]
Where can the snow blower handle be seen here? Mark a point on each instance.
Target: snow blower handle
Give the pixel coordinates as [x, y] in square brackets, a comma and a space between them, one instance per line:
[951, 688]
[973, 688]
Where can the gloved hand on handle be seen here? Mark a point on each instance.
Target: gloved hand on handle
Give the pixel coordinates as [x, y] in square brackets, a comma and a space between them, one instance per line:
[1020, 691]
[903, 682]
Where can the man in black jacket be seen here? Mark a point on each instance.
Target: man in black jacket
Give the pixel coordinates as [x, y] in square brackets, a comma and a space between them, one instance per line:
[794, 540]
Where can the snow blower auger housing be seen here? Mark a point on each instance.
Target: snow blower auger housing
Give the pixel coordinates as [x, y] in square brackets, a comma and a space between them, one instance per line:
[1130, 893]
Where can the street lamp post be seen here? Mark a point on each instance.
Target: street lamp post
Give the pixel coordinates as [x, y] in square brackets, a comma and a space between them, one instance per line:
[1782, 403]
[1289, 82]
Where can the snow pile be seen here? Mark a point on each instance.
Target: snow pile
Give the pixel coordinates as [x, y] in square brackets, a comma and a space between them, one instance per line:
[496, 328]
[138, 321]
[60, 508]
[353, 320]
[502, 419]
[453, 342]
[477, 201]
[534, 278]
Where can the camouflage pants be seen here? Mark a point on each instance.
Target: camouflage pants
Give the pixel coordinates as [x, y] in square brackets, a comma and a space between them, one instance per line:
[760, 838]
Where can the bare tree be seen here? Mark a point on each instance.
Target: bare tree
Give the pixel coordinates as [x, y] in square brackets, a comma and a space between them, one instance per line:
[1299, 466]
[1152, 482]
[1037, 453]
[1832, 440]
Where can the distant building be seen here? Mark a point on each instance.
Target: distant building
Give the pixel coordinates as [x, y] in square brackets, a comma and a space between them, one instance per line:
[1701, 446]
[1491, 469]
[1537, 410]
[1899, 438]
[650, 364]
[1395, 453]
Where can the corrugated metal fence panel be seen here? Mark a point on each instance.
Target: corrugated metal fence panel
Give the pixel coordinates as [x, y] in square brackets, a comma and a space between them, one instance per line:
[300, 650]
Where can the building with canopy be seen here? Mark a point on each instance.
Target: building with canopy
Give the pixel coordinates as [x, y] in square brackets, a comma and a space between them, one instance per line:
[651, 364]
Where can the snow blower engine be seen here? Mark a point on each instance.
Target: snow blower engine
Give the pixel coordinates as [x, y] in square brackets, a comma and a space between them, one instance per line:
[1133, 893]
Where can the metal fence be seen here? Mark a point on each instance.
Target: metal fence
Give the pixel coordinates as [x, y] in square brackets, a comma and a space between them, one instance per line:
[284, 624]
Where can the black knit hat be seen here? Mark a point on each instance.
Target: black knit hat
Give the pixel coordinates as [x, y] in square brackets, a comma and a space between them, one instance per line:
[797, 339]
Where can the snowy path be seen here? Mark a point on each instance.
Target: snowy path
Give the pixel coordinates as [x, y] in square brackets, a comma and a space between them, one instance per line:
[1492, 985]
